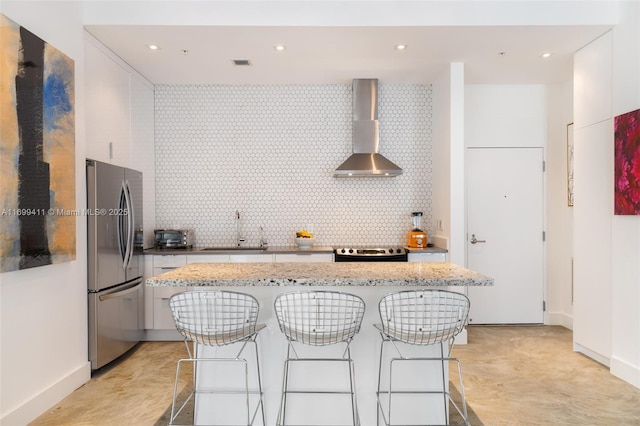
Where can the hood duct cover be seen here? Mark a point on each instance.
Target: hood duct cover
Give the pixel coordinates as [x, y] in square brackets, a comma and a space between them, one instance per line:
[366, 160]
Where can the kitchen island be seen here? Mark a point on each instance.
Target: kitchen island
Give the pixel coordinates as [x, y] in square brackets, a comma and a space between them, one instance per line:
[320, 274]
[371, 281]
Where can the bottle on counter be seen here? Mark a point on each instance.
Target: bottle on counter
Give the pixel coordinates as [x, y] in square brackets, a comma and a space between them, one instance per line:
[417, 237]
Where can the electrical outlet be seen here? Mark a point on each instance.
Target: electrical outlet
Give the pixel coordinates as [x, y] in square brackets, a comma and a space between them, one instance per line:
[440, 227]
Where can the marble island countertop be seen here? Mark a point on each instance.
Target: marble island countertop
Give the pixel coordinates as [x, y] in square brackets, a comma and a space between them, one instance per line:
[321, 274]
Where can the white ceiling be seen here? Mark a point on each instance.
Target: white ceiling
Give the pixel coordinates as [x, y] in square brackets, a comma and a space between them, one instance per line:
[324, 54]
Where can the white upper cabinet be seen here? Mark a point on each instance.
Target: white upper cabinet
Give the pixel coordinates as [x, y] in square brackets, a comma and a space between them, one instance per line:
[108, 107]
[592, 75]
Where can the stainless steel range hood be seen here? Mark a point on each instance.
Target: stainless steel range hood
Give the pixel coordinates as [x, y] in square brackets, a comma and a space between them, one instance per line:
[366, 161]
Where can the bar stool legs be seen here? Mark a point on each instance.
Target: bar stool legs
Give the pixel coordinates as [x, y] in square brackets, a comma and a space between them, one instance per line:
[194, 358]
[384, 411]
[318, 318]
[427, 318]
[217, 319]
[292, 357]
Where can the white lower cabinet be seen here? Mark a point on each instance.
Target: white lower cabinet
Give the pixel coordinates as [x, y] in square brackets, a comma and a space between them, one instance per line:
[162, 317]
[303, 257]
[155, 317]
[159, 322]
[427, 257]
[207, 258]
[251, 258]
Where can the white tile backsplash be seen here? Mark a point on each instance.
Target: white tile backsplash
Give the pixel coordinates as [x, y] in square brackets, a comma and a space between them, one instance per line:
[269, 151]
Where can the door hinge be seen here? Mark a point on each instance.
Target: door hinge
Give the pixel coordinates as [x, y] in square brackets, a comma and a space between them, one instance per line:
[544, 306]
[544, 236]
[544, 166]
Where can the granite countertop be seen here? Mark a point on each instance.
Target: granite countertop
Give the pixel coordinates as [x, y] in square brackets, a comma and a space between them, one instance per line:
[232, 250]
[321, 274]
[269, 250]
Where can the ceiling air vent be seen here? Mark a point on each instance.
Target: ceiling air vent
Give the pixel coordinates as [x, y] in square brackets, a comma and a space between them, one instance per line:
[242, 62]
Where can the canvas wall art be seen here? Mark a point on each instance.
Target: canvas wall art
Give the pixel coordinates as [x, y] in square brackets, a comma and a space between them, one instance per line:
[627, 163]
[37, 151]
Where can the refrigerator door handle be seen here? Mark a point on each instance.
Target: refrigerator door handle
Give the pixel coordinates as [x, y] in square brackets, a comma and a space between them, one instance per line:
[129, 214]
[122, 240]
[120, 293]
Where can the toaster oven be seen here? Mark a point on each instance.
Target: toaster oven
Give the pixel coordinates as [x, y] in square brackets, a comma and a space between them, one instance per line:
[173, 238]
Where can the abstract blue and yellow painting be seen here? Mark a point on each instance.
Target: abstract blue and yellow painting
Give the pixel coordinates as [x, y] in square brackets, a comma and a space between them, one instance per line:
[37, 151]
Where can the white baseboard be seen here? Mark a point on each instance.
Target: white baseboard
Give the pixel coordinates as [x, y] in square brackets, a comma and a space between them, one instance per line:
[49, 397]
[625, 371]
[577, 347]
[559, 318]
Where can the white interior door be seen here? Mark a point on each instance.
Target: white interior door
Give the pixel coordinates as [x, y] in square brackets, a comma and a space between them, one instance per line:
[505, 234]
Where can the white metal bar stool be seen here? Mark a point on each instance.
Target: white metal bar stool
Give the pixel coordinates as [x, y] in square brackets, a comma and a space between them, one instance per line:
[218, 318]
[318, 318]
[423, 318]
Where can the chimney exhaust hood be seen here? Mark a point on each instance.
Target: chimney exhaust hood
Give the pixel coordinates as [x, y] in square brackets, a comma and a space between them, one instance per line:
[366, 161]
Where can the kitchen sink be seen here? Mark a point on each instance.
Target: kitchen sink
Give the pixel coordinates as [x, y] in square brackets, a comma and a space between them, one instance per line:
[236, 249]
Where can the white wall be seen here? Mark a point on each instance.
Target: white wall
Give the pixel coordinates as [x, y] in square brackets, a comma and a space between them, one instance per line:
[441, 156]
[606, 247]
[448, 195]
[505, 115]
[458, 239]
[559, 253]
[43, 315]
[625, 256]
[143, 149]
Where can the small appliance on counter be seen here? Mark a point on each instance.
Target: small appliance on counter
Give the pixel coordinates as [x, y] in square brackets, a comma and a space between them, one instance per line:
[174, 238]
[417, 238]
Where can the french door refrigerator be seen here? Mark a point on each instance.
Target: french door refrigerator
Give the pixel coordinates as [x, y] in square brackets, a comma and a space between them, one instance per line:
[115, 263]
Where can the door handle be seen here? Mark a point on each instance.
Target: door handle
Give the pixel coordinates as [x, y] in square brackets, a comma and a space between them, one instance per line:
[474, 240]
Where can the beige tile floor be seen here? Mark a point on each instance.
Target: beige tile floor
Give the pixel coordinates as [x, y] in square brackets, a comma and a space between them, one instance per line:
[525, 375]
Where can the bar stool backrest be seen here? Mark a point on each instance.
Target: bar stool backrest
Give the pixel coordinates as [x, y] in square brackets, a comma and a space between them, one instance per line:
[319, 318]
[423, 317]
[214, 318]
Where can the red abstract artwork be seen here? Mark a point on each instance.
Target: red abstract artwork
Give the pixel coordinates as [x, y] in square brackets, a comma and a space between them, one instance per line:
[627, 163]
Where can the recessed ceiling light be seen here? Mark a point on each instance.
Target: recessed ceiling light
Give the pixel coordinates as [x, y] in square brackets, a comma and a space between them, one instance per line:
[546, 55]
[401, 46]
[153, 47]
[280, 47]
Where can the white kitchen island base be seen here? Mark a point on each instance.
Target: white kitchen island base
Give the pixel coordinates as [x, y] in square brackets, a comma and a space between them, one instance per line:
[321, 409]
[371, 281]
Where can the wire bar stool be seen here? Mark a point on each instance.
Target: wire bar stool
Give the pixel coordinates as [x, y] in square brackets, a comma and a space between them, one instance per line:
[423, 318]
[218, 318]
[318, 318]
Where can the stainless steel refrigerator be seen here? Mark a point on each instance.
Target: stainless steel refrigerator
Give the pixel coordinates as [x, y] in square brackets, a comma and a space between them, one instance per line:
[115, 264]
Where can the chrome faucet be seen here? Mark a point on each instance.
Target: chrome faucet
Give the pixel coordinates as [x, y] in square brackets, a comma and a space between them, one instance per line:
[263, 241]
[239, 239]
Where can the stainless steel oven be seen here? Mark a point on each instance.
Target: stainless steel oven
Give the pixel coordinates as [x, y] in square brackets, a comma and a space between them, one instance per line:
[370, 254]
